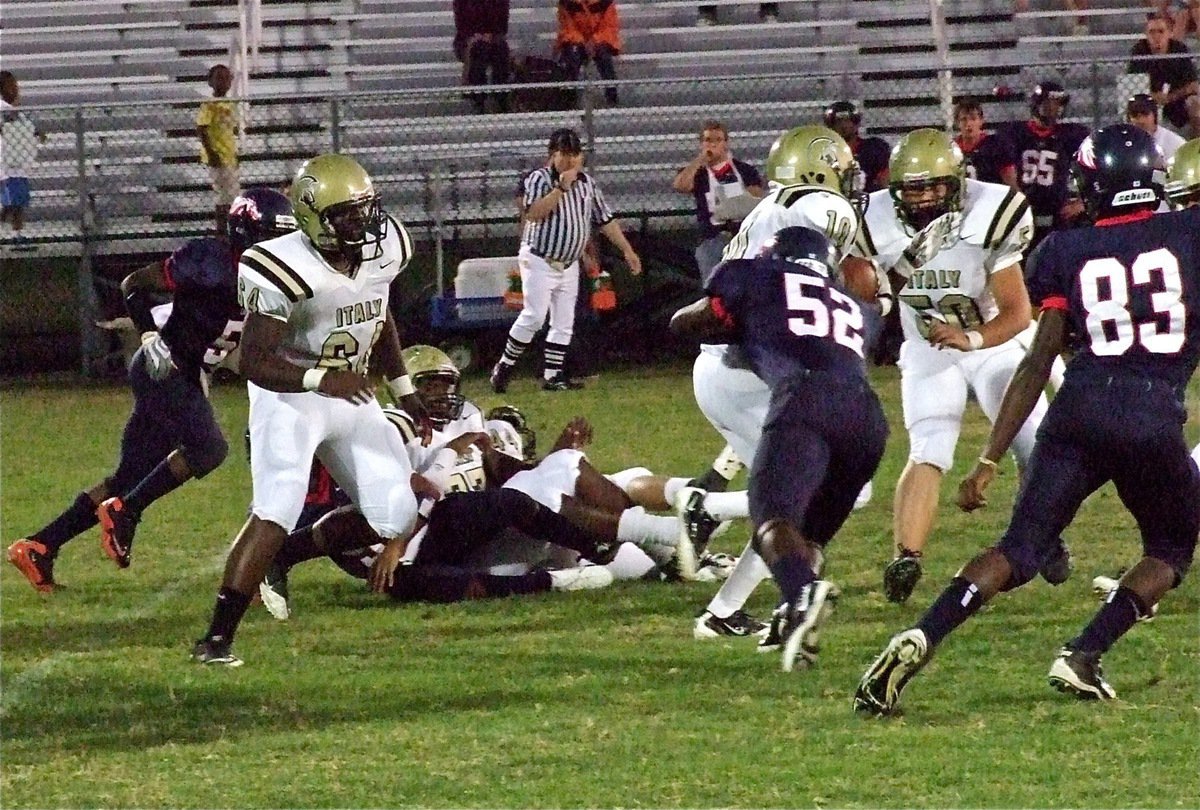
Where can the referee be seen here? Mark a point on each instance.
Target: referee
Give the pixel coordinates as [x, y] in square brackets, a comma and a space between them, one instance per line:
[561, 205]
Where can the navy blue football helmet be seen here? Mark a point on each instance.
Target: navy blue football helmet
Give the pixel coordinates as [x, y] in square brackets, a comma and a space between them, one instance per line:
[1045, 91]
[804, 246]
[1118, 170]
[259, 214]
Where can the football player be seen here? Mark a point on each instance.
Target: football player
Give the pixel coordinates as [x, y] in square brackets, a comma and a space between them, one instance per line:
[317, 315]
[824, 433]
[1128, 291]
[814, 182]
[961, 311]
[171, 435]
[987, 157]
[1044, 146]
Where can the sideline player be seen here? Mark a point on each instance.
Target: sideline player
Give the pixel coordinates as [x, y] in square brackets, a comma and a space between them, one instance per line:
[824, 432]
[1128, 289]
[1043, 146]
[960, 311]
[317, 314]
[171, 435]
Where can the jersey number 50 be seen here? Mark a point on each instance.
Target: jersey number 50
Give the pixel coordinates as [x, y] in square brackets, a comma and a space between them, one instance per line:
[1110, 324]
[840, 317]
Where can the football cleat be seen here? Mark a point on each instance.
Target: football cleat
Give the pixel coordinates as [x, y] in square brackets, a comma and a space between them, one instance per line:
[1056, 569]
[501, 374]
[214, 653]
[273, 591]
[1102, 586]
[117, 527]
[584, 578]
[697, 522]
[901, 576]
[772, 640]
[715, 566]
[561, 382]
[879, 690]
[738, 624]
[800, 626]
[1079, 673]
[35, 562]
[683, 558]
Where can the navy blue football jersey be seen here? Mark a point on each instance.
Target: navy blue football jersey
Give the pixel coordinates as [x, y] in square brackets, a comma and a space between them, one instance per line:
[790, 319]
[1043, 157]
[988, 158]
[1131, 289]
[202, 276]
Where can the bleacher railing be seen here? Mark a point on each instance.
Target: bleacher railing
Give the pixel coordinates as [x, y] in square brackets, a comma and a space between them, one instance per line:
[127, 177]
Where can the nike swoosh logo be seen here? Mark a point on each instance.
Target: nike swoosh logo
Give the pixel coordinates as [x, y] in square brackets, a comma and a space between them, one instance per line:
[387, 264]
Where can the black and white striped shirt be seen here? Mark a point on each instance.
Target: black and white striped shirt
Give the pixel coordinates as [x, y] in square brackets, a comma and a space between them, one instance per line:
[563, 235]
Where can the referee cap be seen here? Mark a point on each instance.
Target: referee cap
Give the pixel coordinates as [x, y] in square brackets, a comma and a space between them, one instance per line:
[565, 140]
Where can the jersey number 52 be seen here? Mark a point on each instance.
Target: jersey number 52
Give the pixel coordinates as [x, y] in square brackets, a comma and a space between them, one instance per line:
[837, 316]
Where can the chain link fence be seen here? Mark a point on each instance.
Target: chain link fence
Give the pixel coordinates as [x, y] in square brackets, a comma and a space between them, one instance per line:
[125, 178]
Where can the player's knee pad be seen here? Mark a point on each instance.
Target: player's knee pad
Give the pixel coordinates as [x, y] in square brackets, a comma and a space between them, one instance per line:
[206, 457]
[931, 441]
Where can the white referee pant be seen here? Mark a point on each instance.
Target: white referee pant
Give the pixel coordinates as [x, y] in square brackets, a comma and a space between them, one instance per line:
[549, 289]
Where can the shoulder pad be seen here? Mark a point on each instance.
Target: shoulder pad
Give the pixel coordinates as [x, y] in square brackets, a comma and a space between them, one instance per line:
[402, 422]
[277, 272]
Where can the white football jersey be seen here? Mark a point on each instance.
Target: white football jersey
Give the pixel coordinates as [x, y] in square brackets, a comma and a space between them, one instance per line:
[465, 473]
[813, 207]
[953, 286]
[335, 318]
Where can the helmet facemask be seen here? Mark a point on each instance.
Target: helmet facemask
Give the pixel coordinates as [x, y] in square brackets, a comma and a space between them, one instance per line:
[922, 207]
[438, 392]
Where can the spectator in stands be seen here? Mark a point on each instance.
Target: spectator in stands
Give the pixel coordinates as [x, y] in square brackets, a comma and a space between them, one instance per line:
[871, 153]
[1184, 16]
[1172, 79]
[1142, 112]
[716, 179]
[481, 44]
[18, 150]
[217, 124]
[767, 12]
[987, 157]
[589, 29]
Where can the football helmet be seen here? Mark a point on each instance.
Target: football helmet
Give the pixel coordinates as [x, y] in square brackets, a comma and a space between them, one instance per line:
[818, 156]
[514, 417]
[428, 365]
[842, 111]
[1118, 169]
[804, 246]
[505, 439]
[923, 160]
[335, 204]
[1183, 175]
[1045, 91]
[256, 215]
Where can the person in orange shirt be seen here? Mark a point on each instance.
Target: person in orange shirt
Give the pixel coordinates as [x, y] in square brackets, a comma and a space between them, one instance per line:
[589, 28]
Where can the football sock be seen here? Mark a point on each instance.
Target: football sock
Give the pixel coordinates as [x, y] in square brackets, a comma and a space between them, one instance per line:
[296, 548]
[231, 606]
[743, 579]
[79, 517]
[792, 573]
[513, 349]
[555, 354]
[954, 606]
[727, 505]
[158, 483]
[1118, 613]
[657, 535]
[672, 487]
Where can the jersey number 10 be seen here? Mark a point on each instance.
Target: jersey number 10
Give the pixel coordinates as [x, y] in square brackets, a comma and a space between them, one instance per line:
[1110, 324]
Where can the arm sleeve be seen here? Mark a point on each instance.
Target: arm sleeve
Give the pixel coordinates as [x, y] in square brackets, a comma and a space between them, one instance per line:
[1041, 278]
[601, 213]
[1008, 251]
[537, 185]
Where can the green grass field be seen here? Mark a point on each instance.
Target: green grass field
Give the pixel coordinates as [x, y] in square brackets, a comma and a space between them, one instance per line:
[599, 699]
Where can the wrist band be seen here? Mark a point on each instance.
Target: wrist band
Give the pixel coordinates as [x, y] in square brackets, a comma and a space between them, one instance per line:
[312, 378]
[987, 462]
[975, 339]
[401, 386]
